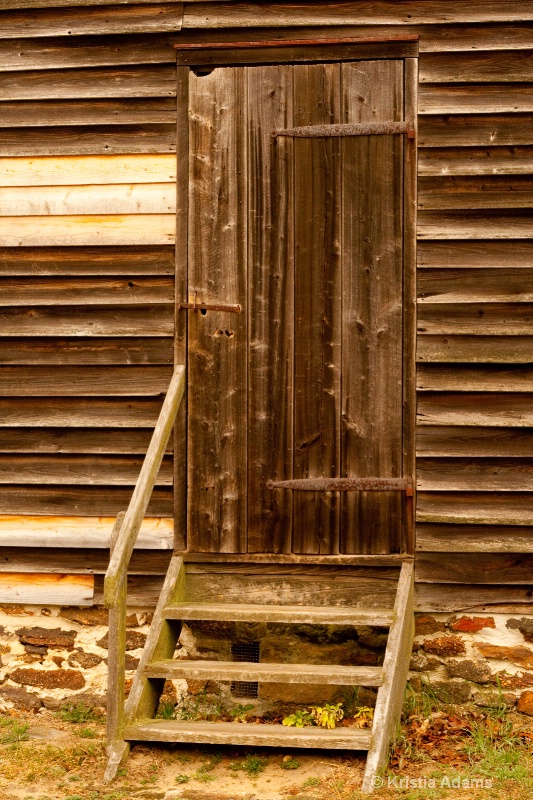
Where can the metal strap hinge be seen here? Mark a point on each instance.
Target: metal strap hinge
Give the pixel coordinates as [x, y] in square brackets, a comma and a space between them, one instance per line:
[349, 129]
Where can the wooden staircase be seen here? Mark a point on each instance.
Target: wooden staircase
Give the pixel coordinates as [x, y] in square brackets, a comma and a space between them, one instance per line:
[157, 664]
[134, 721]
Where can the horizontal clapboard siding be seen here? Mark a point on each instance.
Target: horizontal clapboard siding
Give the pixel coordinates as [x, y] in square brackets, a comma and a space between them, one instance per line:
[87, 210]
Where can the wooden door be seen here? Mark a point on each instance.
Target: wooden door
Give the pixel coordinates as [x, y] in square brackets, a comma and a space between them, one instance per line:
[310, 233]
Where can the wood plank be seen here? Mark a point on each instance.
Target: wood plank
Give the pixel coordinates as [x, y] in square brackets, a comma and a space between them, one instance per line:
[152, 18]
[475, 508]
[69, 412]
[469, 130]
[256, 735]
[475, 161]
[87, 170]
[371, 422]
[476, 409]
[479, 378]
[446, 36]
[389, 702]
[484, 254]
[45, 589]
[206, 561]
[475, 475]
[178, 669]
[356, 590]
[77, 140]
[86, 351]
[75, 440]
[477, 319]
[154, 198]
[83, 501]
[455, 286]
[476, 67]
[24, 54]
[56, 261]
[12, 4]
[306, 615]
[124, 320]
[463, 441]
[59, 291]
[271, 276]
[82, 470]
[317, 306]
[116, 660]
[475, 225]
[321, 50]
[384, 12]
[217, 366]
[29, 114]
[474, 568]
[435, 98]
[482, 598]
[148, 80]
[439, 538]
[88, 560]
[69, 532]
[471, 191]
[111, 229]
[475, 349]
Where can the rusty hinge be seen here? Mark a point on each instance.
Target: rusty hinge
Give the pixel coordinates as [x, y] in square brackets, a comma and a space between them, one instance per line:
[349, 129]
[345, 485]
[196, 306]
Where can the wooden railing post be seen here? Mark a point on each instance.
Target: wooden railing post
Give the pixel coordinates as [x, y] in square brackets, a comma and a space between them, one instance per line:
[116, 650]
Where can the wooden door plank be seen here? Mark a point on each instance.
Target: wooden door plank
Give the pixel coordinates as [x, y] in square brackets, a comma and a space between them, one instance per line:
[270, 309]
[317, 308]
[372, 247]
[217, 368]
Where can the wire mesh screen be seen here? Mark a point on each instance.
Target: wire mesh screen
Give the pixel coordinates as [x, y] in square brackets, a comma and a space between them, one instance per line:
[245, 651]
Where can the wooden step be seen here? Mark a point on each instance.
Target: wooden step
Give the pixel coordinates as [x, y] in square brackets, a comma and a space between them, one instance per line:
[162, 730]
[299, 615]
[175, 669]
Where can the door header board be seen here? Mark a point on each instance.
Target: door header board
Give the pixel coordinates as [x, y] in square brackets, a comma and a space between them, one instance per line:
[292, 51]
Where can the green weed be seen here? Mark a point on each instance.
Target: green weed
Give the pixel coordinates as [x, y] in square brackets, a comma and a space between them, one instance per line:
[166, 710]
[12, 730]
[182, 779]
[78, 713]
[290, 763]
[201, 707]
[87, 733]
[252, 765]
[240, 713]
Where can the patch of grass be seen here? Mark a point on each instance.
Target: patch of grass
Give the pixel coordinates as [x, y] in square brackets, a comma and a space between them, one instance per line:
[252, 765]
[12, 730]
[182, 779]
[312, 781]
[78, 713]
[166, 710]
[87, 733]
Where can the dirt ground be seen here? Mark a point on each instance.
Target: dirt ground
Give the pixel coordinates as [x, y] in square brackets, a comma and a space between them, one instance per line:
[444, 753]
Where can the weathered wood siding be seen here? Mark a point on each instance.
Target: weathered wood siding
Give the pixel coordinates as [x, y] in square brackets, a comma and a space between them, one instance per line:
[87, 232]
[106, 73]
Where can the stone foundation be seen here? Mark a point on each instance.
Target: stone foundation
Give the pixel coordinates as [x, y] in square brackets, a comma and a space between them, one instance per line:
[52, 656]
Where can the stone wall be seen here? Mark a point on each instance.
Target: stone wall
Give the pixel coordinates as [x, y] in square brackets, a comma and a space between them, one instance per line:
[50, 656]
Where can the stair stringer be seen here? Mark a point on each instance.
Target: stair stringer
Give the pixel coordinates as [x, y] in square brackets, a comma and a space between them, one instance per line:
[160, 644]
[395, 669]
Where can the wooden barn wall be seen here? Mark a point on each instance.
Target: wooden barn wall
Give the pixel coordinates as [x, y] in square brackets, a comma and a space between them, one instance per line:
[87, 239]
[87, 174]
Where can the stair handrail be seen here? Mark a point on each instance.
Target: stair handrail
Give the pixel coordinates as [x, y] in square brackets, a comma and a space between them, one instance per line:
[129, 527]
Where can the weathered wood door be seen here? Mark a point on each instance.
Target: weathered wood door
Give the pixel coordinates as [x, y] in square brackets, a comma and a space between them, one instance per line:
[310, 233]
